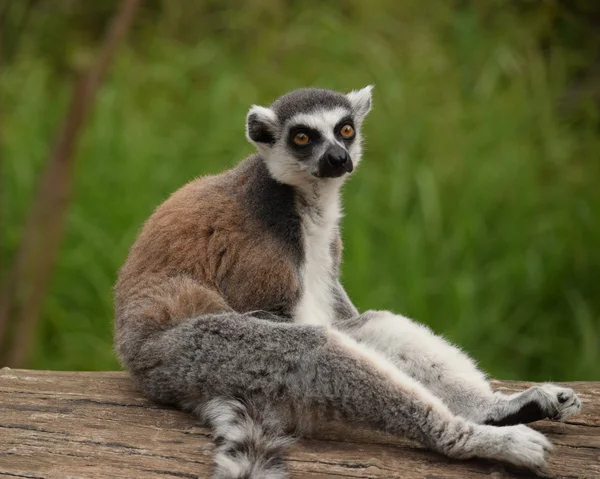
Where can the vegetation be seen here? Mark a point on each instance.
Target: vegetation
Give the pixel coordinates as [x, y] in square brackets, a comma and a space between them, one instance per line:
[475, 209]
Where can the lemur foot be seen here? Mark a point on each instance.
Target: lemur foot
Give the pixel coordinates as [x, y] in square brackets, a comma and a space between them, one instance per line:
[525, 447]
[561, 402]
[518, 445]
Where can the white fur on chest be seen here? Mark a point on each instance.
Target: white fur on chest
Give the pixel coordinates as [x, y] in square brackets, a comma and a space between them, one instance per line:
[316, 304]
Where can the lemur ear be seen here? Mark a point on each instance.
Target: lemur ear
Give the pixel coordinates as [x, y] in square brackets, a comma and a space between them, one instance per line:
[261, 126]
[361, 101]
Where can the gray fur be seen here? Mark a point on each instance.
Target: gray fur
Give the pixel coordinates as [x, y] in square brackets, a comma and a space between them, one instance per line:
[307, 100]
[272, 342]
[343, 307]
[229, 355]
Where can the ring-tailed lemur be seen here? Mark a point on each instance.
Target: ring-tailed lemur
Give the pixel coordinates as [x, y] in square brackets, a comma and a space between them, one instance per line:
[230, 306]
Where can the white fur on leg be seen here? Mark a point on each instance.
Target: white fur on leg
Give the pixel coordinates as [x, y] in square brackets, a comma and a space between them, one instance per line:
[381, 363]
[419, 352]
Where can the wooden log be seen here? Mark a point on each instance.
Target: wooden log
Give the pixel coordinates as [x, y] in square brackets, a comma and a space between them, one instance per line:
[93, 425]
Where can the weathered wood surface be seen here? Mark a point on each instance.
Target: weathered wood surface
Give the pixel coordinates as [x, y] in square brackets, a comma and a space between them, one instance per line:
[92, 425]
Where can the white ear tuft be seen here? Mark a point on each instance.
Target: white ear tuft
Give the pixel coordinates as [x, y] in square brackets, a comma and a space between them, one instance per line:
[261, 125]
[263, 112]
[361, 101]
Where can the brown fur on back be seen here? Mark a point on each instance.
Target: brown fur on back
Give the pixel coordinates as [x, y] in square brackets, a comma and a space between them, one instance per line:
[203, 251]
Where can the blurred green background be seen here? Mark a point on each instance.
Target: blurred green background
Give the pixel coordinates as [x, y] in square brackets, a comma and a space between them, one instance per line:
[475, 210]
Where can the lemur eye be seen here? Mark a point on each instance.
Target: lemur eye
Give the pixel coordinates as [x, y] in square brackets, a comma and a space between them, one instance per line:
[301, 139]
[347, 131]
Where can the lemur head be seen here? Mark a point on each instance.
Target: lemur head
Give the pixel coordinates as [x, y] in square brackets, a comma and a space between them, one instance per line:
[310, 134]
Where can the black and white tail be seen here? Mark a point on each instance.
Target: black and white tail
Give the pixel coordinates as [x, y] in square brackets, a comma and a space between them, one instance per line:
[248, 446]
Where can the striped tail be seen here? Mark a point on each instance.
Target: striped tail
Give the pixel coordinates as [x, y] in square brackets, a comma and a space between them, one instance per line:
[247, 446]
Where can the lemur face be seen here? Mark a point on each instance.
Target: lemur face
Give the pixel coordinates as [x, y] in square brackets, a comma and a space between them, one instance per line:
[310, 133]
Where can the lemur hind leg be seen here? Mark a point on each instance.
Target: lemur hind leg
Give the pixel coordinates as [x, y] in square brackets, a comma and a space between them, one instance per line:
[452, 376]
[312, 369]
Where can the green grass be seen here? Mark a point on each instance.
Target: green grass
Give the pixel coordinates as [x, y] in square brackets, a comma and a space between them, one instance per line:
[475, 209]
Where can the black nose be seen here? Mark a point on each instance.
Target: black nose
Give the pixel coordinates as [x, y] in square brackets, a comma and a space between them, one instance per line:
[337, 157]
[334, 163]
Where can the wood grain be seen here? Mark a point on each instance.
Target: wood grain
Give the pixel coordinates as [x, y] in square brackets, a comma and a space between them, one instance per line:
[96, 425]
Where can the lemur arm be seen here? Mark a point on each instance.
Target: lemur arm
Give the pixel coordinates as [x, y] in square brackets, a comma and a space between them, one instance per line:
[343, 309]
[446, 370]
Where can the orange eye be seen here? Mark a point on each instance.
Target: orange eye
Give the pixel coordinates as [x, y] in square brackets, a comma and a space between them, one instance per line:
[301, 139]
[347, 131]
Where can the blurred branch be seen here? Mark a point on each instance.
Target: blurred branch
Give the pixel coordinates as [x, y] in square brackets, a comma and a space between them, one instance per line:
[23, 297]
